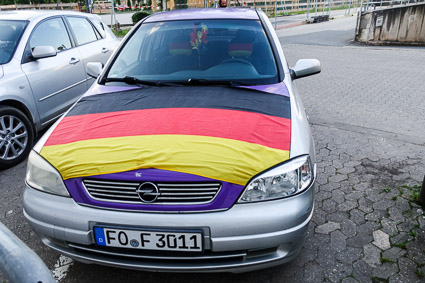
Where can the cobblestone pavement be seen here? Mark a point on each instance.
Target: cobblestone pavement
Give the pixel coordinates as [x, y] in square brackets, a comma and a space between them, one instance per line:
[366, 110]
[366, 226]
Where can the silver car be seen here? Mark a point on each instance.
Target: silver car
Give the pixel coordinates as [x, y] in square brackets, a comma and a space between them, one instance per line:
[190, 153]
[42, 71]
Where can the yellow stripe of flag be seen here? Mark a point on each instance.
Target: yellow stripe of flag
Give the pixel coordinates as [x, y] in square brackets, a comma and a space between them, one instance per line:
[217, 158]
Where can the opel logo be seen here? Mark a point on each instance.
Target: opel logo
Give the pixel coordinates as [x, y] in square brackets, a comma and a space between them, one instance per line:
[148, 192]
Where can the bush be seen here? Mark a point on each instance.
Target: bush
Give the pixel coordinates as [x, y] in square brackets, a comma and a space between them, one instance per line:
[139, 16]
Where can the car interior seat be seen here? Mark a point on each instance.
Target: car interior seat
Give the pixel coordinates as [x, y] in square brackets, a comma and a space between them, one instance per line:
[241, 46]
[180, 57]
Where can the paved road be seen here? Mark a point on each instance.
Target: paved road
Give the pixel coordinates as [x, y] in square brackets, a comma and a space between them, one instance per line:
[371, 87]
[323, 34]
[284, 20]
[366, 111]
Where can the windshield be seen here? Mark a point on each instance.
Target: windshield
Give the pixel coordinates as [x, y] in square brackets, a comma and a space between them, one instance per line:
[10, 33]
[195, 50]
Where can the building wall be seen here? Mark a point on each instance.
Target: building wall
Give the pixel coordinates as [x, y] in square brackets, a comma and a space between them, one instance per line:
[404, 24]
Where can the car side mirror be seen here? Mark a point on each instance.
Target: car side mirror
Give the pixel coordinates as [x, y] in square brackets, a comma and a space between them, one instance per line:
[305, 67]
[40, 52]
[94, 69]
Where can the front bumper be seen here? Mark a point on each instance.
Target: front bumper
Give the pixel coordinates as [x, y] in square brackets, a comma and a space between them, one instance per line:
[244, 238]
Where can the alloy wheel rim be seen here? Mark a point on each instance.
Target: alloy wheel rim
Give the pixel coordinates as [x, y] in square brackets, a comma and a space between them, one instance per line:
[13, 137]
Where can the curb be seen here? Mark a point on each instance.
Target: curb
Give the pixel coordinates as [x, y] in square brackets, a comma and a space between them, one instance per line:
[343, 16]
[122, 25]
[338, 17]
[291, 25]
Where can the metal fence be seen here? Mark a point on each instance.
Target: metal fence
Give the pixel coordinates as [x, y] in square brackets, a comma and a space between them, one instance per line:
[270, 6]
[282, 7]
[55, 6]
[373, 5]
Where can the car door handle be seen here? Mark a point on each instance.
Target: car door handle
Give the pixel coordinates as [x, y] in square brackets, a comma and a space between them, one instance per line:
[105, 50]
[74, 61]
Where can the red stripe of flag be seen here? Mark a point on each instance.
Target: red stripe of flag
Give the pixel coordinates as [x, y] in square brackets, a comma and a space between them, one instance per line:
[245, 126]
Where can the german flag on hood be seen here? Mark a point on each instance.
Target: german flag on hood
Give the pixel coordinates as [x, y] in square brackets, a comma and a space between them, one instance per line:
[228, 134]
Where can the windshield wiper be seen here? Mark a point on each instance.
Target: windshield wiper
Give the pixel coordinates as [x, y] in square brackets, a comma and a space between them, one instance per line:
[135, 81]
[192, 81]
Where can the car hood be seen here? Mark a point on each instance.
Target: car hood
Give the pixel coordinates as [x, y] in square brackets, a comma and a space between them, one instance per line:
[223, 133]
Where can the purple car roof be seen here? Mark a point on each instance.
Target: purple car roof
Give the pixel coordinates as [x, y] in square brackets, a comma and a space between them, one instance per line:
[201, 14]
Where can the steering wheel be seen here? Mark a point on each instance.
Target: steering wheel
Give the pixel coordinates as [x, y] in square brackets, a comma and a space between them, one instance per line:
[237, 60]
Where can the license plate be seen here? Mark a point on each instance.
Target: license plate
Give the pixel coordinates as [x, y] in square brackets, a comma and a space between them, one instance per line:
[148, 240]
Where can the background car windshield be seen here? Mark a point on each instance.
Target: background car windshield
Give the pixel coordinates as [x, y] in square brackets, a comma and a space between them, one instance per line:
[224, 50]
[10, 32]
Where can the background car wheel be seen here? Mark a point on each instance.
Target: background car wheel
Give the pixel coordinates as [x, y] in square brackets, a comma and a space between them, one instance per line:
[16, 136]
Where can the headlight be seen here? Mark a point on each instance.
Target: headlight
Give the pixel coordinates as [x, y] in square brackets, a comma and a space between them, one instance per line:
[44, 177]
[283, 181]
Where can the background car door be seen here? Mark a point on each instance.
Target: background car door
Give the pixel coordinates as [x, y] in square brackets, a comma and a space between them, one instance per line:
[57, 82]
[93, 46]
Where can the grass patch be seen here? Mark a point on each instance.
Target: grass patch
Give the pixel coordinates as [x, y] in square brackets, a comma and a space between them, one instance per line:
[384, 259]
[419, 273]
[120, 32]
[412, 233]
[298, 12]
[407, 212]
[414, 187]
[402, 245]
[394, 198]
[415, 196]
[415, 192]
[378, 280]
[387, 190]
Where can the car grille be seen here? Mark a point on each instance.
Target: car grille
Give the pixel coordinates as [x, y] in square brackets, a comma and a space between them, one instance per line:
[168, 193]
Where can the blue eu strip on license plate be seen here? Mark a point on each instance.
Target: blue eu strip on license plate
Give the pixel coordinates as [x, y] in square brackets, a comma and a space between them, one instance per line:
[148, 240]
[100, 236]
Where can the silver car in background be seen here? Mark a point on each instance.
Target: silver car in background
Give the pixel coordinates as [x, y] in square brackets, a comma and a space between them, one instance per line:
[42, 71]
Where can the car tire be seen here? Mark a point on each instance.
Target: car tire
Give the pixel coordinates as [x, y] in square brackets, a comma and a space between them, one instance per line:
[16, 136]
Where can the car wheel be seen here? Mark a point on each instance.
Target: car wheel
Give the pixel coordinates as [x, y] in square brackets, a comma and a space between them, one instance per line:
[16, 136]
